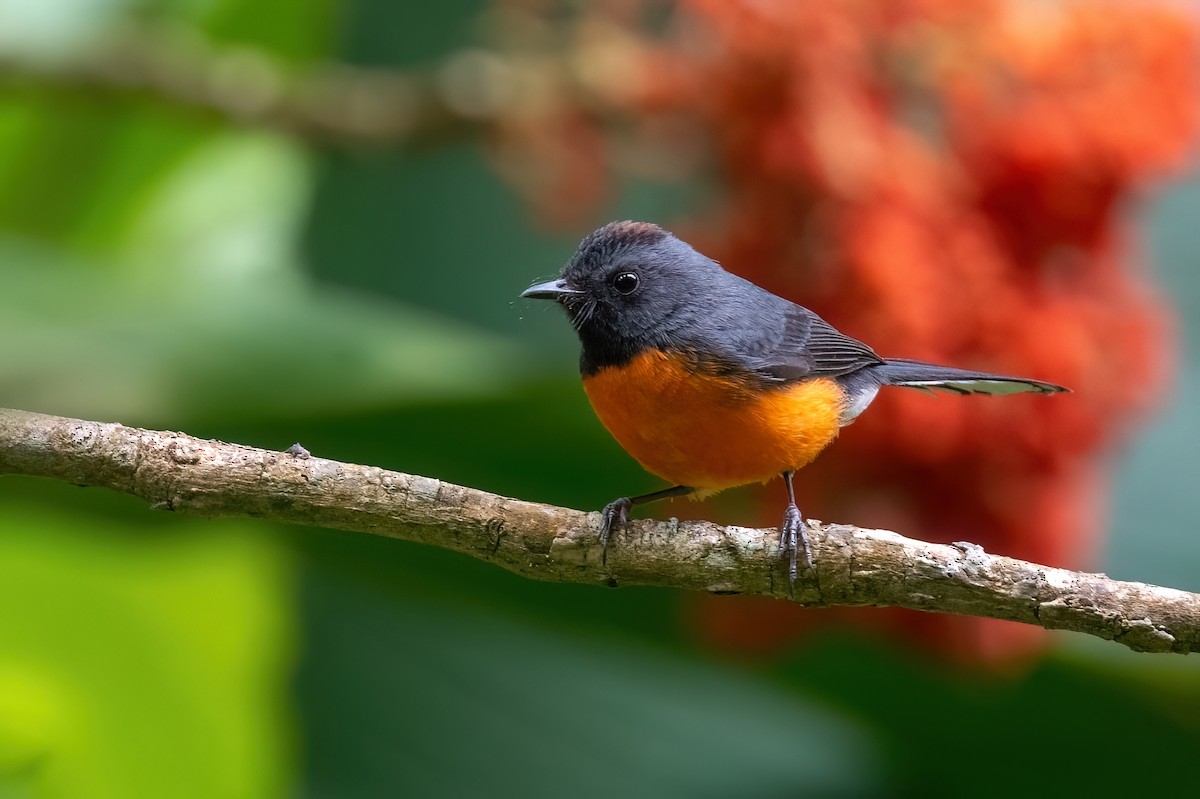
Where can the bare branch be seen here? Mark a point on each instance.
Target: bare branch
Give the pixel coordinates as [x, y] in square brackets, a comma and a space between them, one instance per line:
[458, 97]
[241, 86]
[177, 472]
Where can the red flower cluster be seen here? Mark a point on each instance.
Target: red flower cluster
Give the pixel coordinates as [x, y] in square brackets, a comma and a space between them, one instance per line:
[944, 180]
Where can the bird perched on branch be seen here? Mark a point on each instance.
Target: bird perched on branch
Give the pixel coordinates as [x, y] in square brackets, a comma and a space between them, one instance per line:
[711, 382]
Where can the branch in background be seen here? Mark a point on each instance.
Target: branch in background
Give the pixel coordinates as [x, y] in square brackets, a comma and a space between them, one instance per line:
[177, 472]
[537, 97]
[329, 103]
[246, 87]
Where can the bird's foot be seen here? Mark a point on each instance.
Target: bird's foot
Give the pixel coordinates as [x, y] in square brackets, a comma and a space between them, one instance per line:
[793, 537]
[615, 514]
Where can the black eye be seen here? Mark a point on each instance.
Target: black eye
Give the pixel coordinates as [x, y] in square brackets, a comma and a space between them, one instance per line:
[625, 282]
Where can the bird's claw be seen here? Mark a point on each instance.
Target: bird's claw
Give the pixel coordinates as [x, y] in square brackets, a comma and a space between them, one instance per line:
[793, 536]
[615, 514]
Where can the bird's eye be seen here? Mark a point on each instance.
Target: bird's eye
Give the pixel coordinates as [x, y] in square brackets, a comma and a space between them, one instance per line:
[625, 282]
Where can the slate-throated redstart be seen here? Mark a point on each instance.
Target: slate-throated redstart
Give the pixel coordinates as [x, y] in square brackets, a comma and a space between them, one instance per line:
[711, 382]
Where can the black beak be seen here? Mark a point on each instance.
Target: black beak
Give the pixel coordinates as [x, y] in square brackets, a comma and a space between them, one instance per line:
[550, 290]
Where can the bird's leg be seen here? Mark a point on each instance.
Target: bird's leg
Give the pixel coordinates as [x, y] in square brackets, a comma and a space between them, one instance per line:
[616, 513]
[793, 532]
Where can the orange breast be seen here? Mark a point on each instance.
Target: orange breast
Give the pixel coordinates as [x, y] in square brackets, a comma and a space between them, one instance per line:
[708, 431]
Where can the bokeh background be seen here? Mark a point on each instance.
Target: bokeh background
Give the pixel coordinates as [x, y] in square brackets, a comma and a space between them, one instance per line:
[267, 222]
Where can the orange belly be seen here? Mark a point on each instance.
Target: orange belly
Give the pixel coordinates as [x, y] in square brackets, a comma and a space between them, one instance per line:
[708, 431]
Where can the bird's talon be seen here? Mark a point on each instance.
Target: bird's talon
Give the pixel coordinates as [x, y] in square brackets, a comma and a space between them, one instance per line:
[615, 514]
[793, 537]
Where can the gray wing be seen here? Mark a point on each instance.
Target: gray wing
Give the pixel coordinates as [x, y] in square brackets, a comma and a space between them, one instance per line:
[810, 347]
[780, 342]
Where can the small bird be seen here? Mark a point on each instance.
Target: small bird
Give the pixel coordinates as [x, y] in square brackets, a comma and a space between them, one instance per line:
[711, 382]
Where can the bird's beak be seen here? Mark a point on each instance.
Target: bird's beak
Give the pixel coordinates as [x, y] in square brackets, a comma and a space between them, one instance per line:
[550, 290]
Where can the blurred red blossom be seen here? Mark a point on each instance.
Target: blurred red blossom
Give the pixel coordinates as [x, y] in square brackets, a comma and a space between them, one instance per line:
[944, 179]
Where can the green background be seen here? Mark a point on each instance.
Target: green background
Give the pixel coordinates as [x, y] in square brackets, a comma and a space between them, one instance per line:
[165, 269]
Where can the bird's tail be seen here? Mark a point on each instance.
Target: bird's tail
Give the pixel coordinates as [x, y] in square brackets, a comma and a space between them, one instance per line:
[928, 376]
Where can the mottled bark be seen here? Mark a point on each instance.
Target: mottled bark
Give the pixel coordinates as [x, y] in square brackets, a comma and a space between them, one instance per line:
[177, 472]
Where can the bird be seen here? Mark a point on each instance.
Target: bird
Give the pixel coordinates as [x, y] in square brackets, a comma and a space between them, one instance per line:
[711, 382]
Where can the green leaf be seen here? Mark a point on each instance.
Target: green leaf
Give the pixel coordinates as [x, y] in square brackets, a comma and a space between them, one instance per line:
[140, 666]
[77, 343]
[206, 315]
[77, 172]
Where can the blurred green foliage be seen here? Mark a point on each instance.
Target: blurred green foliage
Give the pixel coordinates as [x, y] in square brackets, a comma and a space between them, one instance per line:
[163, 269]
[134, 663]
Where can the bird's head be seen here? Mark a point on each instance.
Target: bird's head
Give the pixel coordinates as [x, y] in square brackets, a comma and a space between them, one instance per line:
[630, 285]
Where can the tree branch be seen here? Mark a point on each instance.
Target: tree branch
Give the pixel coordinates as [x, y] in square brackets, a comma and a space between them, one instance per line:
[467, 92]
[177, 472]
[326, 104]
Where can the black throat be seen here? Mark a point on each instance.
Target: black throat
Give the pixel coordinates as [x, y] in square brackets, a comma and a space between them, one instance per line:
[601, 352]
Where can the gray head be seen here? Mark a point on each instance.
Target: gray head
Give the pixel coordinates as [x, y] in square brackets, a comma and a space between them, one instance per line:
[631, 285]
